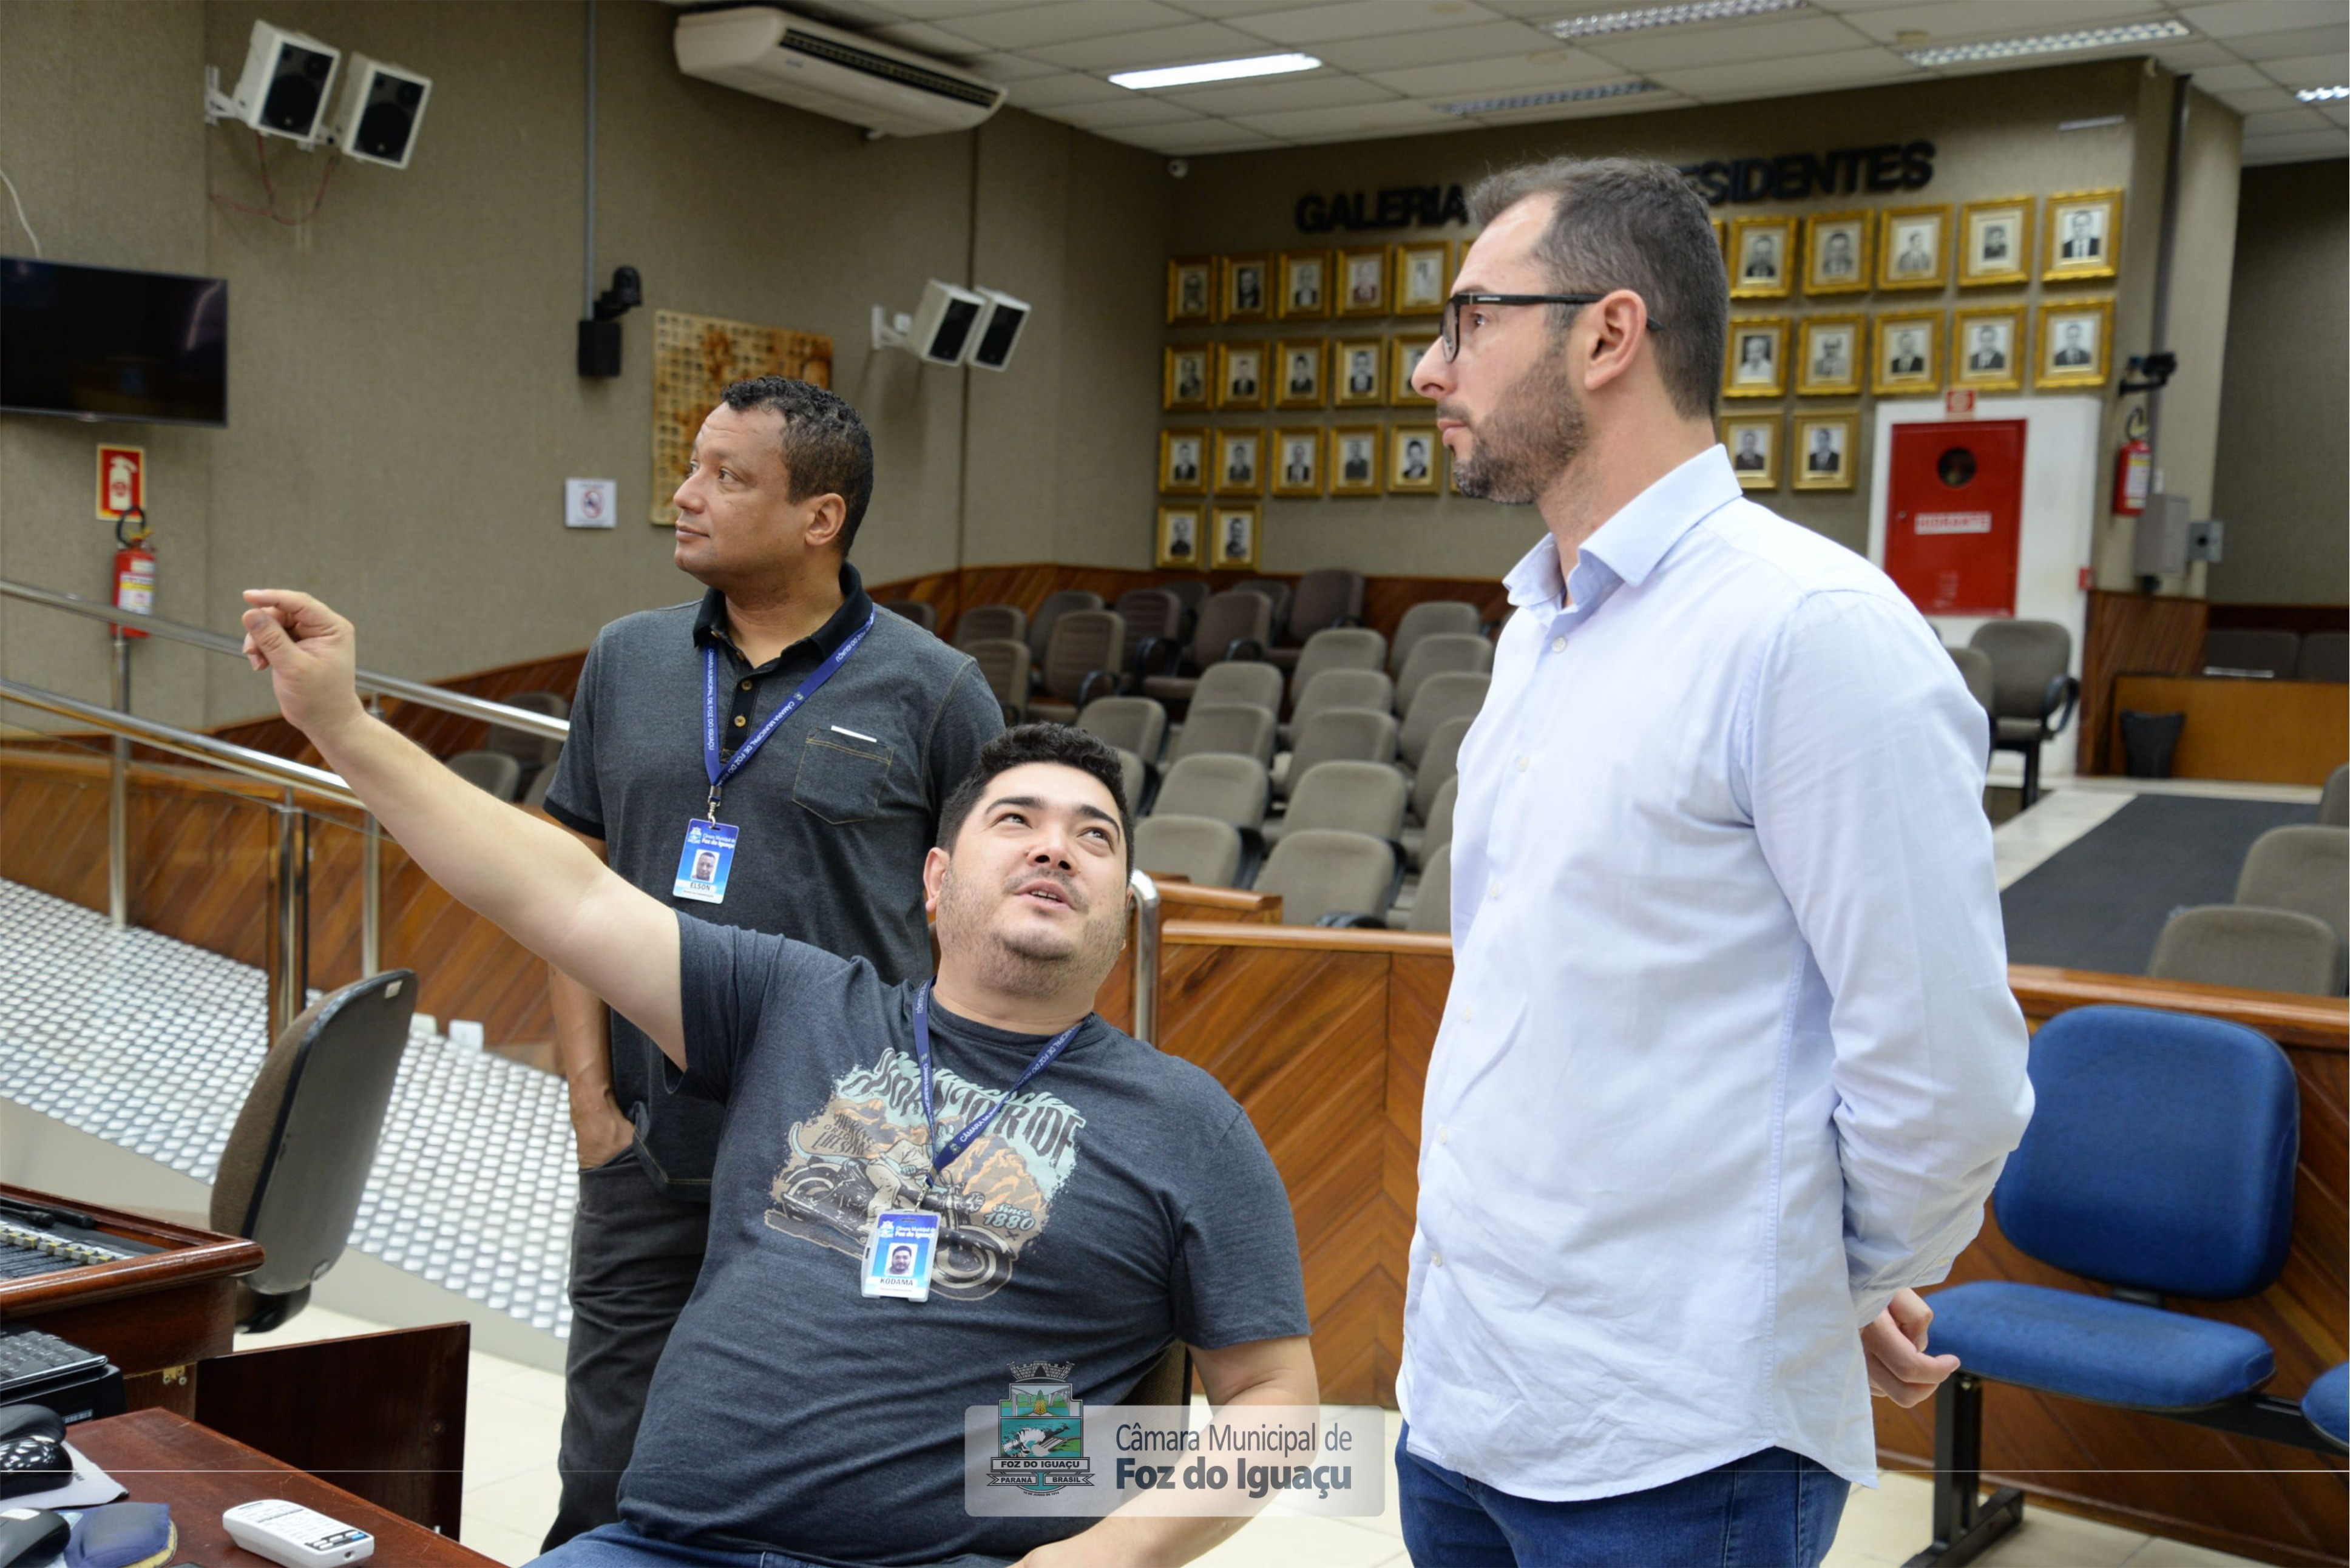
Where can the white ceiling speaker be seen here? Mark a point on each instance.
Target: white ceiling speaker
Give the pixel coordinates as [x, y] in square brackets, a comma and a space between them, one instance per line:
[842, 76]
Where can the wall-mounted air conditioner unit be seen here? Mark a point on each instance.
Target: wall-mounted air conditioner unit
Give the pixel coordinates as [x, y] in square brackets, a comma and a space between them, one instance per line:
[759, 49]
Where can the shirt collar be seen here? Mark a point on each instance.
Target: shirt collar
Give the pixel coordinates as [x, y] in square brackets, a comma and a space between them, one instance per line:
[1629, 545]
[855, 608]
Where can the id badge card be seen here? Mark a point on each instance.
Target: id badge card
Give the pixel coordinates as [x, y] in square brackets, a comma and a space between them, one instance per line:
[898, 1254]
[709, 856]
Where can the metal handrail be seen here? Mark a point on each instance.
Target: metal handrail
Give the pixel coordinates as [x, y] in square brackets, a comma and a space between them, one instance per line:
[1146, 955]
[226, 755]
[414, 692]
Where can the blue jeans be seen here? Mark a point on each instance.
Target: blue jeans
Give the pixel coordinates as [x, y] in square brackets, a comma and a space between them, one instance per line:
[1771, 1510]
[618, 1546]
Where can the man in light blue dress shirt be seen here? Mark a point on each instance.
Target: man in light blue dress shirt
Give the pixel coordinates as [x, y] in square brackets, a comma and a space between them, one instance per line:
[1729, 1062]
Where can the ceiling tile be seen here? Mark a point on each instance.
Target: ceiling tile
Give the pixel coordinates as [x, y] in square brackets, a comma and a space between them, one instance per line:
[1045, 94]
[1723, 84]
[2232, 79]
[2195, 55]
[2263, 47]
[945, 10]
[1136, 111]
[1207, 135]
[1011, 67]
[1545, 113]
[1229, 10]
[855, 14]
[1768, 39]
[1443, 47]
[2284, 121]
[2307, 70]
[2270, 100]
[1191, 42]
[1270, 95]
[1514, 74]
[2242, 18]
[1395, 118]
[1954, 21]
[2298, 148]
[1363, 19]
[1064, 22]
[925, 39]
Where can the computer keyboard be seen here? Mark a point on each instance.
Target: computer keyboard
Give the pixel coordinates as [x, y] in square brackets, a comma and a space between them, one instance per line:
[29, 1357]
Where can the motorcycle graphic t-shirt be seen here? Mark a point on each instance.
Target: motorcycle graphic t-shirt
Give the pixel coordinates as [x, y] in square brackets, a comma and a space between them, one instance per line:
[1119, 1202]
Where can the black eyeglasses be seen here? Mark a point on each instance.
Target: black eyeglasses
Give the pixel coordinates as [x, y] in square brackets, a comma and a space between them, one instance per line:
[1451, 329]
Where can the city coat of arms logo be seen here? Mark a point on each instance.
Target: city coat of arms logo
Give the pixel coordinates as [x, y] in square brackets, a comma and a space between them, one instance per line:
[1040, 1431]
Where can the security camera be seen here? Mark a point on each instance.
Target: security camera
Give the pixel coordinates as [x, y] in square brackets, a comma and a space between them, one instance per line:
[999, 330]
[1178, 167]
[940, 329]
[283, 91]
[382, 106]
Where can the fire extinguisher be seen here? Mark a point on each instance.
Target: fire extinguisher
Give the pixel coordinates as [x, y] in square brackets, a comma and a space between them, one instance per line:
[2133, 467]
[134, 568]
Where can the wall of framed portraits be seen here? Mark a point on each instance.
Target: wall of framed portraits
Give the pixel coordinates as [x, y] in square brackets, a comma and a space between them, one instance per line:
[2026, 265]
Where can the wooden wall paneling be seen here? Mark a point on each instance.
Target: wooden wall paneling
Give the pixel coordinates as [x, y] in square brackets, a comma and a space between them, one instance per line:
[2259, 731]
[2130, 634]
[1181, 901]
[55, 837]
[1417, 987]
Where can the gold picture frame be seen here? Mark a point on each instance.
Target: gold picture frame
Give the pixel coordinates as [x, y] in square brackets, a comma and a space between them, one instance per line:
[1460, 259]
[1995, 243]
[1829, 353]
[1186, 382]
[1804, 468]
[1838, 252]
[1906, 257]
[1305, 282]
[1906, 355]
[1239, 462]
[1722, 238]
[1762, 258]
[1754, 443]
[1175, 542]
[1183, 460]
[1404, 351]
[1234, 527]
[1415, 458]
[1420, 273]
[1352, 468]
[2052, 343]
[1190, 291]
[2099, 244]
[1988, 344]
[1743, 373]
[1245, 286]
[1241, 370]
[1290, 389]
[1358, 378]
[1294, 465]
[1363, 281]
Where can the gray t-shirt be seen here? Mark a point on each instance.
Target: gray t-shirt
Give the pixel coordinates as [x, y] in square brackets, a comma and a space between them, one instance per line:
[1122, 1202]
[836, 810]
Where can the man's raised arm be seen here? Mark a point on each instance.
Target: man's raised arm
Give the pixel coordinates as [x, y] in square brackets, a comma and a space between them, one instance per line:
[533, 879]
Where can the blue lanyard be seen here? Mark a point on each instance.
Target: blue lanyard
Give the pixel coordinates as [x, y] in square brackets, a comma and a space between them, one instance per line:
[719, 772]
[942, 1156]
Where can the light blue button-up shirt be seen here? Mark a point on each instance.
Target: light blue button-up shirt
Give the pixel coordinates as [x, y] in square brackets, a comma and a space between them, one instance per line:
[1729, 1054]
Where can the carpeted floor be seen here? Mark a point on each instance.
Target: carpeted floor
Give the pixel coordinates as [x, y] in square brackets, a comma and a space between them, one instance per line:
[2100, 903]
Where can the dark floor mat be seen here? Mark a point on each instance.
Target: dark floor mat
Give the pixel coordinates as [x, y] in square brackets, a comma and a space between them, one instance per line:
[2100, 902]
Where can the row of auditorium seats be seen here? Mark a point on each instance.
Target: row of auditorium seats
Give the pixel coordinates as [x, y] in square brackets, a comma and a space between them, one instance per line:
[2285, 929]
[2277, 655]
[510, 764]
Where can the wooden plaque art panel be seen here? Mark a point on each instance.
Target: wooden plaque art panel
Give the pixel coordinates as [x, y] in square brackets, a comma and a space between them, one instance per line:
[695, 359]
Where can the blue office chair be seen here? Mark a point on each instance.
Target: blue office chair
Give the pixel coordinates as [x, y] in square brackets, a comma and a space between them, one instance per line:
[2160, 1161]
[2327, 1405]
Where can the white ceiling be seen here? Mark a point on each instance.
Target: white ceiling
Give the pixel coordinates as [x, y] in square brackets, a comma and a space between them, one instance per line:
[1388, 64]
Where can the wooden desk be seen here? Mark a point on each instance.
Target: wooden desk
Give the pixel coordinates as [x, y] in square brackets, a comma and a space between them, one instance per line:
[163, 1458]
[2258, 732]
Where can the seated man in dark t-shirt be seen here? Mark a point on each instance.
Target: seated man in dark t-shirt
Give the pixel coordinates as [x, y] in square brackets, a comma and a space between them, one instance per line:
[1115, 1201]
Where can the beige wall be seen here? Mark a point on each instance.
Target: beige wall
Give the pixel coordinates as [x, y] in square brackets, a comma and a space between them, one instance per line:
[2285, 400]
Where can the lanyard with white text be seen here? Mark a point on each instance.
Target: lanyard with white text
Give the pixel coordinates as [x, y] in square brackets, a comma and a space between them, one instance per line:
[942, 1157]
[720, 769]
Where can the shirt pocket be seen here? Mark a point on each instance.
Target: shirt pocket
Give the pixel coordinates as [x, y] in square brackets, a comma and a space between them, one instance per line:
[840, 779]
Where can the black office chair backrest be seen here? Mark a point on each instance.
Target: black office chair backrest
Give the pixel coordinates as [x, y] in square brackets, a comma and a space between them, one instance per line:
[298, 1157]
[1277, 593]
[1227, 624]
[2025, 655]
[1151, 615]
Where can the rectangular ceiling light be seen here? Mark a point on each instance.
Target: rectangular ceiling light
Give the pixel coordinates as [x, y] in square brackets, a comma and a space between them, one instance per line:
[2322, 95]
[2048, 44]
[1214, 71]
[1632, 21]
[1537, 100]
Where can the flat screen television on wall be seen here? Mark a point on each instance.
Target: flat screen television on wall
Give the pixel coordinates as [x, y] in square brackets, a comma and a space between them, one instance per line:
[99, 343]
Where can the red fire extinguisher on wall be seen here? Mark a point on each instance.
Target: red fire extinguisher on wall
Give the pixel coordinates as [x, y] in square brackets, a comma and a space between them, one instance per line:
[2133, 467]
[134, 568]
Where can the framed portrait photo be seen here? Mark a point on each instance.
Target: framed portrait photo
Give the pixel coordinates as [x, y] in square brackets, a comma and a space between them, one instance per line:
[1358, 372]
[1297, 373]
[1190, 291]
[1829, 353]
[1995, 243]
[1181, 528]
[1826, 451]
[1233, 529]
[1185, 386]
[1762, 258]
[1297, 462]
[1240, 375]
[1354, 461]
[1836, 253]
[1913, 248]
[1183, 461]
[2076, 344]
[1986, 348]
[1414, 457]
[1239, 463]
[1754, 443]
[2085, 236]
[1305, 285]
[1403, 359]
[1756, 363]
[1909, 358]
[1244, 288]
[1421, 272]
[1363, 281]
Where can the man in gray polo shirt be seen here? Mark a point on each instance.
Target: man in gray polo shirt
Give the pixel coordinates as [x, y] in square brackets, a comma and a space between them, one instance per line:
[818, 834]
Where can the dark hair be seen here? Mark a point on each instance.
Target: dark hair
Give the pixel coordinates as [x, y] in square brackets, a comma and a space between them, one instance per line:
[1063, 745]
[1629, 223]
[826, 447]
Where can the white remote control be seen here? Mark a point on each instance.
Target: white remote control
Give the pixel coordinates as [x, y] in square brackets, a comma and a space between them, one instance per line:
[296, 1536]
